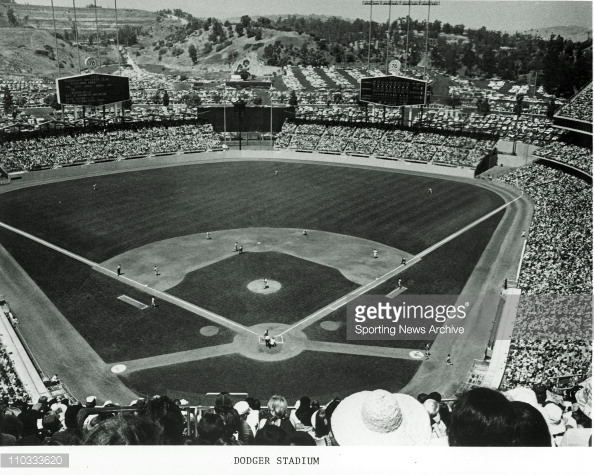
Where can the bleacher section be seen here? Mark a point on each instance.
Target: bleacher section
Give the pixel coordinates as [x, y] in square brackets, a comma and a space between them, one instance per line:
[422, 147]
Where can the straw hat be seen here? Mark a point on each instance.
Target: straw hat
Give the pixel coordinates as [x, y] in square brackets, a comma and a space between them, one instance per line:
[381, 418]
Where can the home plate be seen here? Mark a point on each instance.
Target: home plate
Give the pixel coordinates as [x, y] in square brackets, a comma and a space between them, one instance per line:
[131, 301]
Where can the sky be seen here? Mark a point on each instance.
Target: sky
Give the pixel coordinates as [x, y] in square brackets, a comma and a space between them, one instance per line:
[505, 15]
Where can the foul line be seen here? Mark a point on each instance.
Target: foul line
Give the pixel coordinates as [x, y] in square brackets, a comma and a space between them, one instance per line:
[375, 283]
[142, 287]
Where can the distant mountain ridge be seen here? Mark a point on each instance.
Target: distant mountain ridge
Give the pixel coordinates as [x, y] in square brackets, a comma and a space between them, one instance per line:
[574, 33]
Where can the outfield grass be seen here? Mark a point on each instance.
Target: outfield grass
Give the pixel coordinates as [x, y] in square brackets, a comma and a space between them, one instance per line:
[132, 209]
[222, 288]
[319, 375]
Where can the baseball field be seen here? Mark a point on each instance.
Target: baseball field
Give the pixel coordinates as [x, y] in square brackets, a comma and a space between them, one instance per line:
[308, 229]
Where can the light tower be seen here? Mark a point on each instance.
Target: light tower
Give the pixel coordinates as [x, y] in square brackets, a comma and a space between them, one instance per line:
[371, 3]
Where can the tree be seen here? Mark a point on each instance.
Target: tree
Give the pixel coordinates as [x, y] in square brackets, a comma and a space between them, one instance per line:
[165, 99]
[245, 74]
[265, 22]
[519, 106]
[551, 108]
[193, 100]
[293, 99]
[246, 20]
[128, 35]
[8, 103]
[483, 106]
[51, 100]
[193, 53]
[239, 29]
[207, 47]
[258, 101]
[12, 19]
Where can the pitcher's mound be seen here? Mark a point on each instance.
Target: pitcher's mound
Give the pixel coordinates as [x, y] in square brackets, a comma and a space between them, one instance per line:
[258, 286]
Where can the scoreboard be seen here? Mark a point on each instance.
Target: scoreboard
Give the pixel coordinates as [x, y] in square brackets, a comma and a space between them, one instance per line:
[392, 90]
[93, 89]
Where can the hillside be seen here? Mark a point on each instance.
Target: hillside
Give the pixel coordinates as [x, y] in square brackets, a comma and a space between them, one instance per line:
[29, 51]
[155, 47]
[162, 42]
[38, 16]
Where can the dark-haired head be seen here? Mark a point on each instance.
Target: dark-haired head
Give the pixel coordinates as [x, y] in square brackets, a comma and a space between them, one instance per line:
[323, 418]
[270, 435]
[29, 420]
[541, 393]
[70, 416]
[232, 421]
[530, 429]
[125, 429]
[162, 410]
[210, 428]
[304, 411]
[300, 438]
[11, 425]
[481, 417]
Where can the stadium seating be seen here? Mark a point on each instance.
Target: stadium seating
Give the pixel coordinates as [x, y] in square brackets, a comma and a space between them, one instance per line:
[115, 143]
[396, 144]
[575, 156]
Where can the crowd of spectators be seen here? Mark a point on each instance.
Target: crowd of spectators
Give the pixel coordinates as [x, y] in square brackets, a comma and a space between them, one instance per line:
[481, 417]
[106, 144]
[455, 150]
[526, 129]
[557, 262]
[554, 317]
[558, 257]
[580, 106]
[534, 361]
[11, 386]
[573, 155]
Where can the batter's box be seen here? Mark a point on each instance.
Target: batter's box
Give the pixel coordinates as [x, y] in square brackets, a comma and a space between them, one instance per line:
[278, 339]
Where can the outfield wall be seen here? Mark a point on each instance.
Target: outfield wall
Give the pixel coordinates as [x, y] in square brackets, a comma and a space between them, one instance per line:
[21, 179]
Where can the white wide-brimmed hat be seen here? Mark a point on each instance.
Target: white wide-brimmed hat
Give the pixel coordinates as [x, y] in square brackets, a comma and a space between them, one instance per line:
[381, 418]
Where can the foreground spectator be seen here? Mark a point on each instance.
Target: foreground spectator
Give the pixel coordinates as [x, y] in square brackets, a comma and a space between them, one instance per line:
[277, 415]
[5, 439]
[270, 435]
[71, 435]
[125, 430]
[530, 428]
[163, 411]
[244, 431]
[482, 417]
[210, 429]
[31, 435]
[300, 439]
[374, 418]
